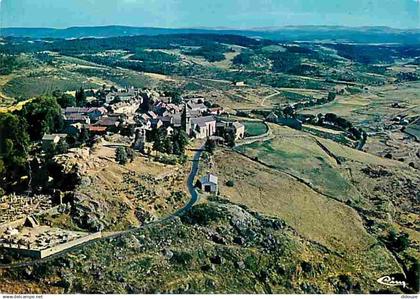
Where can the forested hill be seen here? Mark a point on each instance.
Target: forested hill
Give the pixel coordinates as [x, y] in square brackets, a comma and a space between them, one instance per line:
[288, 33]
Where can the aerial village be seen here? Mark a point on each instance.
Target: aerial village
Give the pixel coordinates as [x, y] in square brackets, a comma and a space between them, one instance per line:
[140, 112]
[136, 114]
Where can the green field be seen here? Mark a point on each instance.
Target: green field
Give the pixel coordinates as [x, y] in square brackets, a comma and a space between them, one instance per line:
[255, 128]
[301, 156]
[28, 87]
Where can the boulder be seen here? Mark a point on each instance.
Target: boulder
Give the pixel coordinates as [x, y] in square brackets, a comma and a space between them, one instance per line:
[218, 239]
[239, 240]
[168, 253]
[217, 260]
[240, 265]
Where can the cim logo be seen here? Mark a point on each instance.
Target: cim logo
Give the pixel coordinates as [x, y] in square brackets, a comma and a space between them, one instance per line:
[393, 281]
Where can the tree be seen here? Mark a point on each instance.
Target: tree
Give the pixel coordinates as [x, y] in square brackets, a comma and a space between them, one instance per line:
[331, 96]
[81, 97]
[184, 119]
[66, 100]
[43, 116]
[62, 147]
[176, 96]
[210, 146]
[230, 137]
[57, 149]
[167, 146]
[343, 123]
[289, 111]
[145, 104]
[14, 145]
[84, 136]
[331, 117]
[116, 100]
[2, 167]
[121, 155]
[177, 99]
[180, 141]
[159, 136]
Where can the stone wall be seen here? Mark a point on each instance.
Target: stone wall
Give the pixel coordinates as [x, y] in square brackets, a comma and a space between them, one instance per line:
[39, 254]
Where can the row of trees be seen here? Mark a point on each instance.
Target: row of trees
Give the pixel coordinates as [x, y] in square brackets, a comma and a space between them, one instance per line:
[175, 143]
[345, 125]
[124, 154]
[67, 100]
[290, 111]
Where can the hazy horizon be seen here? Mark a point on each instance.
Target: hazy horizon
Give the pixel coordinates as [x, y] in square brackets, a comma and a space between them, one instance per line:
[229, 14]
[209, 28]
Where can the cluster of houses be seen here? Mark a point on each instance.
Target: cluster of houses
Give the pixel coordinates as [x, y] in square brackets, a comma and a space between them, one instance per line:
[140, 111]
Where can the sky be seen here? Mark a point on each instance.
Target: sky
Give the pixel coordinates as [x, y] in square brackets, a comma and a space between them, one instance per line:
[209, 13]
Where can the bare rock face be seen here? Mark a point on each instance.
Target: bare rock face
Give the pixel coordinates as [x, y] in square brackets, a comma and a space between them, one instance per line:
[376, 173]
[87, 213]
[242, 220]
[71, 169]
[75, 158]
[65, 177]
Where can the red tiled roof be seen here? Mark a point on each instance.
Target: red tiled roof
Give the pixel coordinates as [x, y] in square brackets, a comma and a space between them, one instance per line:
[97, 129]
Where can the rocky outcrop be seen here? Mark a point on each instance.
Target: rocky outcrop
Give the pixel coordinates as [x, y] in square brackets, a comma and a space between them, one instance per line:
[87, 213]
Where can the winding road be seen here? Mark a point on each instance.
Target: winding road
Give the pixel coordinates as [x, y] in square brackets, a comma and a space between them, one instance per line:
[195, 196]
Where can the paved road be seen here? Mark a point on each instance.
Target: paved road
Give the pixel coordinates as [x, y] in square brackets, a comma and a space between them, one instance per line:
[195, 196]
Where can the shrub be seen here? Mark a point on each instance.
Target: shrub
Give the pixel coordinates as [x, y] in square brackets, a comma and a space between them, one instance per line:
[121, 155]
[182, 257]
[210, 146]
[388, 156]
[130, 154]
[202, 215]
[230, 183]
[168, 159]
[398, 242]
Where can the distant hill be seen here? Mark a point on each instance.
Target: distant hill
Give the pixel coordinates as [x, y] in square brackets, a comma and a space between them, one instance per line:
[287, 33]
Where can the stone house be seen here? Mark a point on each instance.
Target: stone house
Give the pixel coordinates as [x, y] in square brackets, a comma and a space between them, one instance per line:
[208, 183]
[203, 127]
[239, 130]
[272, 117]
[51, 140]
[76, 118]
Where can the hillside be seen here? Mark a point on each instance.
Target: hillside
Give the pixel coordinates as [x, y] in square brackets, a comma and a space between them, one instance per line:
[287, 33]
[319, 194]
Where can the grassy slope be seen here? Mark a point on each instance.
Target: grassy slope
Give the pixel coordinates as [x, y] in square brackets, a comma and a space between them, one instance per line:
[67, 74]
[298, 154]
[336, 224]
[315, 216]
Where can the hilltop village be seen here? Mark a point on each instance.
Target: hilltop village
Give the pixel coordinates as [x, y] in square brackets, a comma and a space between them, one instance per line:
[142, 114]
[206, 163]
[134, 122]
